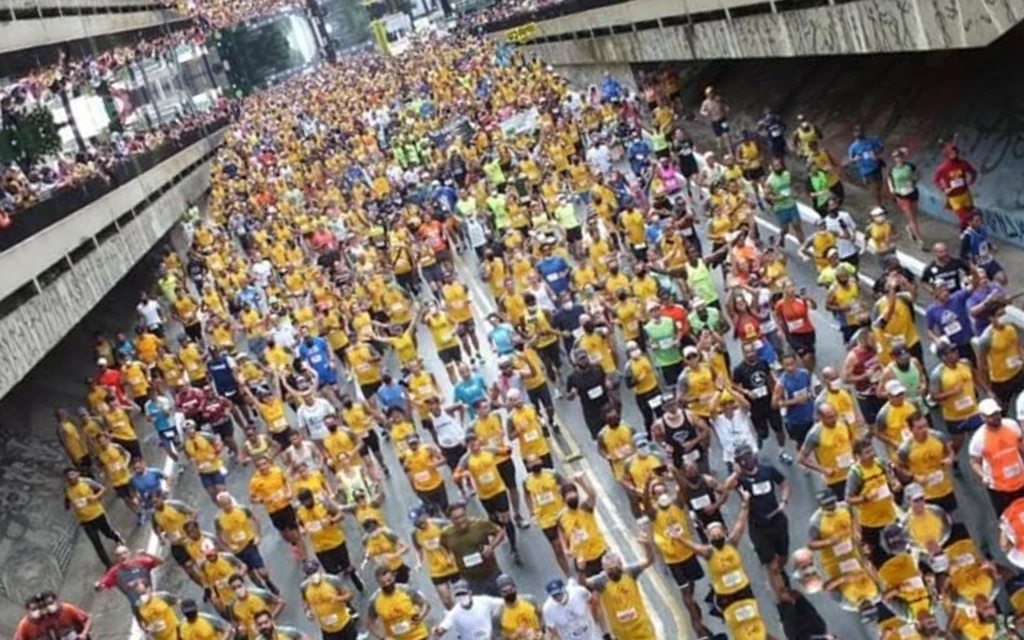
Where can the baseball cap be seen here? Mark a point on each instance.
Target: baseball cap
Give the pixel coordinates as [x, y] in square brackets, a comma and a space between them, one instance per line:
[690, 351]
[895, 388]
[826, 497]
[555, 587]
[461, 588]
[914, 492]
[504, 580]
[189, 606]
[989, 407]
[102, 362]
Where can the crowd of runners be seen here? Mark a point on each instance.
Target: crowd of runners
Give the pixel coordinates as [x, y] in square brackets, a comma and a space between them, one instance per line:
[353, 216]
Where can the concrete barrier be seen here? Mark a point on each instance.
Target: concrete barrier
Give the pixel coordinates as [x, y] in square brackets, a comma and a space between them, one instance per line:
[16, 35]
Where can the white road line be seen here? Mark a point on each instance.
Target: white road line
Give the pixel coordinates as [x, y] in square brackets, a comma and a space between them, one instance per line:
[152, 547]
[617, 523]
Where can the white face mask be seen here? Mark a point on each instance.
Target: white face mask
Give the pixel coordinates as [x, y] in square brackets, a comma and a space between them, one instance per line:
[664, 500]
[316, 578]
[145, 597]
[240, 592]
[835, 385]
[35, 614]
[466, 601]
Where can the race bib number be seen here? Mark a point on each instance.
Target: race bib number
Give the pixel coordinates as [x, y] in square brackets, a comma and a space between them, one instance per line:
[472, 560]
[785, 192]
[1012, 471]
[963, 560]
[882, 492]
[80, 503]
[795, 325]
[733, 578]
[595, 393]
[844, 460]
[175, 536]
[908, 631]
[913, 583]
[487, 478]
[667, 343]
[940, 563]
[849, 566]
[553, 277]
[238, 536]
[640, 246]
[277, 496]
[314, 526]
[952, 328]
[692, 456]
[760, 392]
[626, 615]
[1014, 362]
[842, 548]
[329, 619]
[421, 476]
[433, 544]
[963, 403]
[545, 498]
[687, 231]
[935, 478]
[761, 488]
[674, 530]
[205, 467]
[744, 613]
[157, 627]
[280, 423]
[957, 183]
[701, 502]
[655, 402]
[401, 628]
[579, 536]
[530, 436]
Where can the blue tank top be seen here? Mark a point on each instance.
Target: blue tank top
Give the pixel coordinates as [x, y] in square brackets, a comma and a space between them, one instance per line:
[501, 336]
[223, 377]
[793, 384]
[553, 269]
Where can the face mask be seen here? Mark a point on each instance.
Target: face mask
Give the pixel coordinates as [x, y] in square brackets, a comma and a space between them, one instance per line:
[510, 598]
[748, 464]
[240, 592]
[267, 633]
[718, 543]
[466, 601]
[572, 502]
[191, 617]
[664, 501]
[614, 573]
[53, 608]
[35, 614]
[143, 598]
[317, 578]
[536, 469]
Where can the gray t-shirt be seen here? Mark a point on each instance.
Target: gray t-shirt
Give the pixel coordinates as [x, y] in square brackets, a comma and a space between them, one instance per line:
[466, 546]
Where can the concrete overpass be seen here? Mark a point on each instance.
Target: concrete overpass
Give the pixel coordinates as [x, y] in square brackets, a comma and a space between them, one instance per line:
[661, 30]
[26, 24]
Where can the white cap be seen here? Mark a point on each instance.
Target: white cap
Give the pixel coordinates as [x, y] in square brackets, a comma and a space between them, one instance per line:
[878, 211]
[989, 407]
[514, 394]
[690, 351]
[895, 388]
[102, 362]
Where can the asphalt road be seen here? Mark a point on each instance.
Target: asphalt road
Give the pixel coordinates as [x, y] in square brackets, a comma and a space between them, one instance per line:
[619, 526]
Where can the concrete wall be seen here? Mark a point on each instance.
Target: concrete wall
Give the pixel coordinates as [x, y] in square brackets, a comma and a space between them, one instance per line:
[26, 260]
[23, 34]
[72, 4]
[583, 75]
[865, 26]
[28, 332]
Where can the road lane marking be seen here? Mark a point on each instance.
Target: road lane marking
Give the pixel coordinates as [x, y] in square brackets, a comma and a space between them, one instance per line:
[656, 581]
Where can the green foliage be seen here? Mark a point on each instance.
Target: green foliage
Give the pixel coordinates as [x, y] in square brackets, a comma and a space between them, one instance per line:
[29, 137]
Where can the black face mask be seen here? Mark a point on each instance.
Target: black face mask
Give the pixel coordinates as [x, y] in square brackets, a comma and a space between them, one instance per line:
[718, 543]
[267, 633]
[388, 589]
[191, 616]
[535, 468]
[614, 573]
[572, 502]
[510, 598]
[748, 464]
[308, 505]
